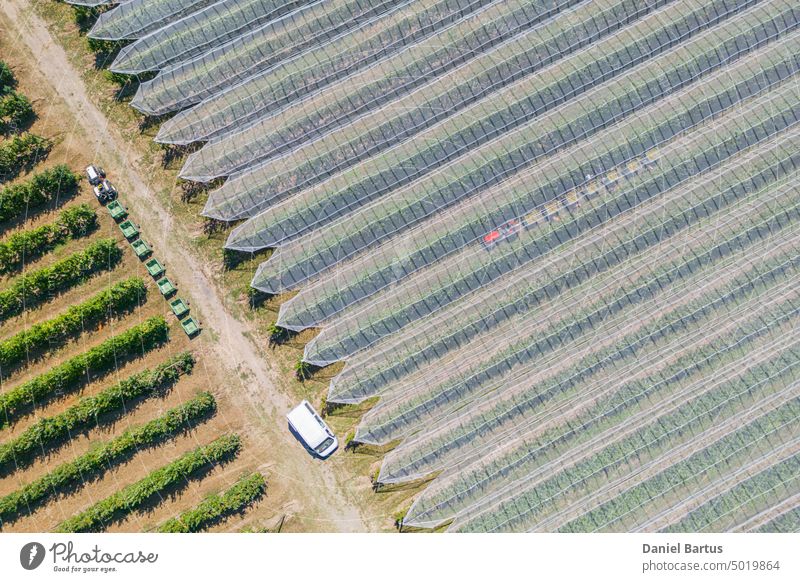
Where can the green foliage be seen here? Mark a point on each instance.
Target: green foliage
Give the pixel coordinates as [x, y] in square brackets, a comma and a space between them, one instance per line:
[105, 47]
[92, 465]
[86, 16]
[15, 109]
[7, 79]
[70, 374]
[37, 286]
[44, 187]
[49, 334]
[302, 370]
[215, 507]
[45, 432]
[20, 152]
[123, 502]
[29, 244]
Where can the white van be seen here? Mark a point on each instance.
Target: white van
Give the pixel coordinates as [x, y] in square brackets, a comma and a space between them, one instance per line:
[310, 427]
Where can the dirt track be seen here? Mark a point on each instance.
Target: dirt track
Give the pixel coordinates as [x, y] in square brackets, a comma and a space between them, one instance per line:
[321, 503]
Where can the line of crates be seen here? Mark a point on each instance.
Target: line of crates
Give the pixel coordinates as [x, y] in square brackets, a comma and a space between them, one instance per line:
[107, 194]
[571, 200]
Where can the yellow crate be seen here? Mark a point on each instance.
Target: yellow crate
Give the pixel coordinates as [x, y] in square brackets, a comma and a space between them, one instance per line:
[552, 209]
[633, 166]
[592, 188]
[572, 198]
[532, 218]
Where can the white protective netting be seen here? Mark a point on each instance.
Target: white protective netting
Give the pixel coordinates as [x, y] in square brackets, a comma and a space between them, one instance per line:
[385, 59]
[516, 305]
[405, 358]
[95, 3]
[722, 442]
[707, 329]
[522, 341]
[322, 249]
[191, 81]
[431, 290]
[472, 39]
[491, 94]
[199, 32]
[386, 264]
[506, 407]
[316, 207]
[137, 18]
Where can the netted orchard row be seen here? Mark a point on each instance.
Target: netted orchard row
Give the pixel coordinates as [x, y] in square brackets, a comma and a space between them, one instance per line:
[755, 494]
[199, 32]
[319, 66]
[505, 402]
[688, 339]
[137, 18]
[787, 522]
[247, 193]
[528, 503]
[445, 283]
[455, 176]
[191, 81]
[416, 402]
[624, 511]
[336, 67]
[321, 250]
[315, 116]
[317, 206]
[422, 401]
[373, 371]
[568, 264]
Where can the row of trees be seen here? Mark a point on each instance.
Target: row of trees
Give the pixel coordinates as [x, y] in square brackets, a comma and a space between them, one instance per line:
[92, 465]
[37, 286]
[70, 375]
[7, 79]
[44, 187]
[52, 333]
[134, 496]
[22, 152]
[216, 507]
[15, 108]
[47, 432]
[30, 244]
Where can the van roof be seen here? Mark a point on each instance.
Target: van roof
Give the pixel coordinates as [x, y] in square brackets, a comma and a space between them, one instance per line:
[304, 420]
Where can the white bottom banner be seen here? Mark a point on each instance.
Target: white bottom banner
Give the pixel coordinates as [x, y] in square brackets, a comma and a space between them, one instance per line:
[353, 557]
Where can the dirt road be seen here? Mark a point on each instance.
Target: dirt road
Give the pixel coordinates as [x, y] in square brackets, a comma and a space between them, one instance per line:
[321, 503]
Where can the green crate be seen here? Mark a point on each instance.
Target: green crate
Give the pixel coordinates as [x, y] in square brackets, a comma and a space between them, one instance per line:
[166, 287]
[190, 326]
[141, 248]
[154, 267]
[129, 229]
[179, 307]
[116, 210]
